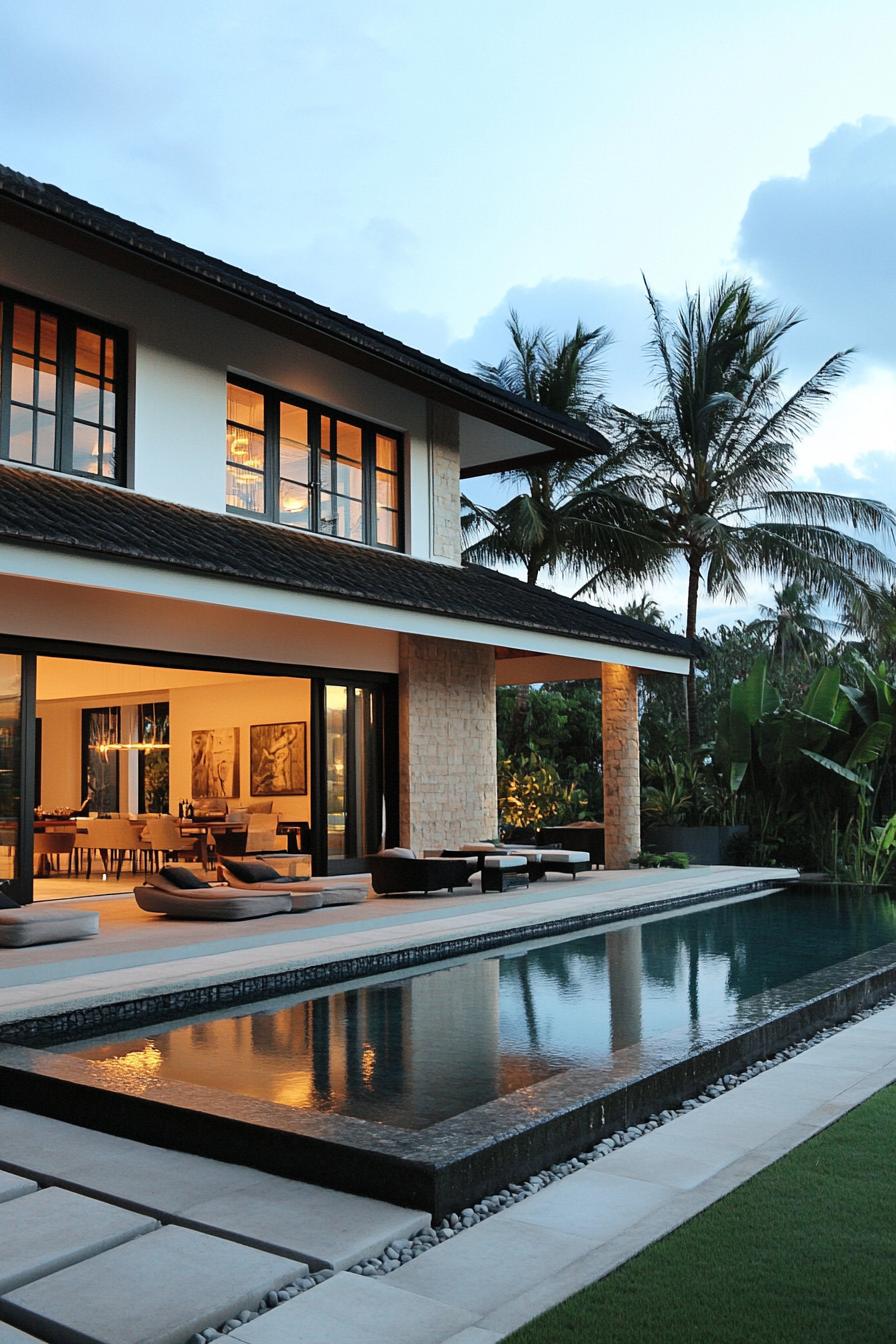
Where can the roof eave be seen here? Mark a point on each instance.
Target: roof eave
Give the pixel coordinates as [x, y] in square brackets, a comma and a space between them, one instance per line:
[460, 391]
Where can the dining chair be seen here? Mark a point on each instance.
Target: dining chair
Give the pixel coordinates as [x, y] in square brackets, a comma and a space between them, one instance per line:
[261, 834]
[164, 839]
[50, 846]
[114, 839]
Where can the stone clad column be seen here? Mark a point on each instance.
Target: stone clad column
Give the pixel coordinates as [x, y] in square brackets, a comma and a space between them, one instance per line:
[447, 742]
[621, 764]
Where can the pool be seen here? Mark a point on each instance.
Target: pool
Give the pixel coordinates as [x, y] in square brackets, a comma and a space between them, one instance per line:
[423, 1048]
[438, 1085]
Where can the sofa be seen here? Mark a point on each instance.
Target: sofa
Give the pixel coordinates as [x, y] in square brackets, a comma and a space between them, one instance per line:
[399, 872]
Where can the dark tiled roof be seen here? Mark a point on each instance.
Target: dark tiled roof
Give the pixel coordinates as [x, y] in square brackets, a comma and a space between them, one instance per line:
[45, 509]
[357, 342]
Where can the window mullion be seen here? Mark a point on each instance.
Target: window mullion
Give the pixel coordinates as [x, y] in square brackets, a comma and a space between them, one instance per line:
[368, 484]
[272, 456]
[5, 375]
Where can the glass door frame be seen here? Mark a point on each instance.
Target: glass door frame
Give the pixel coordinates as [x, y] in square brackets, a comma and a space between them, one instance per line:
[29, 649]
[386, 704]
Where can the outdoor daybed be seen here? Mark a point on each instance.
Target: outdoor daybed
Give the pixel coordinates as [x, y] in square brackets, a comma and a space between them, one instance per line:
[169, 893]
[30, 925]
[255, 875]
[398, 872]
[540, 859]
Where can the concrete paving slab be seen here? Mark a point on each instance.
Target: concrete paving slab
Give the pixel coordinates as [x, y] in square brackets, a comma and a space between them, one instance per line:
[148, 1178]
[591, 1204]
[10, 1335]
[326, 1228]
[474, 1335]
[489, 1263]
[349, 1309]
[46, 1231]
[665, 1158]
[159, 1289]
[14, 1187]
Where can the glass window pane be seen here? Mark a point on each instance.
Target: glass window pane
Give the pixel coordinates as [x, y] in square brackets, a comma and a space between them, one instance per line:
[348, 441]
[325, 424]
[48, 327]
[386, 452]
[245, 407]
[21, 430]
[295, 504]
[108, 407]
[45, 445]
[108, 454]
[387, 527]
[46, 387]
[348, 480]
[87, 350]
[295, 462]
[87, 397]
[86, 449]
[245, 489]
[341, 517]
[245, 448]
[23, 328]
[23, 379]
[109, 358]
[386, 491]
[293, 423]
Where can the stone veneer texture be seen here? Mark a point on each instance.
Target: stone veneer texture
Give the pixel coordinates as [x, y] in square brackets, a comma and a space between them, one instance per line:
[621, 770]
[447, 742]
[444, 458]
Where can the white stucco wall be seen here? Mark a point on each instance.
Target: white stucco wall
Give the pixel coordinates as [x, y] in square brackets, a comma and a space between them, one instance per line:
[181, 353]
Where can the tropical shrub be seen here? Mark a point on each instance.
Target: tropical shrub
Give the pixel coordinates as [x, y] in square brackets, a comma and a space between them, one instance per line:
[531, 792]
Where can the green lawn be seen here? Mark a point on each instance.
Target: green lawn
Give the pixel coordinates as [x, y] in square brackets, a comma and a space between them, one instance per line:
[804, 1253]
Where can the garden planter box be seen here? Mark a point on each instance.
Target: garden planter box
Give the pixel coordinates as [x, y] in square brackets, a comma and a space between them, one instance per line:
[703, 844]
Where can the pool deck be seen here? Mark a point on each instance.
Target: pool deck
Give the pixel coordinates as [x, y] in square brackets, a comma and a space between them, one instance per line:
[139, 955]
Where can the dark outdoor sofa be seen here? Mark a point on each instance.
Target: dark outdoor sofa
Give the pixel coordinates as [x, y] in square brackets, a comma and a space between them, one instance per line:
[399, 872]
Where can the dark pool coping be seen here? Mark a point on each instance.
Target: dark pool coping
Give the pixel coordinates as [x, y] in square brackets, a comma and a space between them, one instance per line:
[127, 1013]
[457, 1161]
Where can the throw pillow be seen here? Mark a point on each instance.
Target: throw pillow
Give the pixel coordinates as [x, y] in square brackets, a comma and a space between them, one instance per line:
[248, 871]
[182, 877]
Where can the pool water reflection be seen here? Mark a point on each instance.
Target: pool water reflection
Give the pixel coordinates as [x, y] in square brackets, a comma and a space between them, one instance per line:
[418, 1049]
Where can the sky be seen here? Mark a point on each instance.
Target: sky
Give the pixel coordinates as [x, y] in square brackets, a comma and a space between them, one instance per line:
[423, 167]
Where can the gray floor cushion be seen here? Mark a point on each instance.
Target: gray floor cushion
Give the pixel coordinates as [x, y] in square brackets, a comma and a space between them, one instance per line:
[33, 924]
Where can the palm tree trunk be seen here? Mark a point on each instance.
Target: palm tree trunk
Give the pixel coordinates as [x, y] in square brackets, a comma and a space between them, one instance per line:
[694, 563]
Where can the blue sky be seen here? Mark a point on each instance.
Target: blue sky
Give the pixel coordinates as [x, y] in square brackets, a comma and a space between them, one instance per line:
[424, 166]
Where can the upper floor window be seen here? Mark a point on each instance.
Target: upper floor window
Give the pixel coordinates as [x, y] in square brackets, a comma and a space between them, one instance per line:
[61, 389]
[299, 463]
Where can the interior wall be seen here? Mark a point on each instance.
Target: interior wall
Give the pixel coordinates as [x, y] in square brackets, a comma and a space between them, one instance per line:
[239, 704]
[196, 700]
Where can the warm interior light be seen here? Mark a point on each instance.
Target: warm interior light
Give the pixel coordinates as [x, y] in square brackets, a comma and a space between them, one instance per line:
[239, 447]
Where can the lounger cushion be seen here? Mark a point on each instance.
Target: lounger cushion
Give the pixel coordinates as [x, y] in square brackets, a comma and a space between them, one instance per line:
[29, 925]
[565, 856]
[216, 903]
[505, 861]
[397, 853]
[182, 878]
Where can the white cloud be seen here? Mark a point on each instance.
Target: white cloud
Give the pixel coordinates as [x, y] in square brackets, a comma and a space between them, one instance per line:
[857, 433]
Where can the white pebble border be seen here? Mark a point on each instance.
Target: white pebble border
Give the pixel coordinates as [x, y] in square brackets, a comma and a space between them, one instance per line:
[399, 1253]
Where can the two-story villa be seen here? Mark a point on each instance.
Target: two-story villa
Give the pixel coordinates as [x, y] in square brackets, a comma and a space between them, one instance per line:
[230, 557]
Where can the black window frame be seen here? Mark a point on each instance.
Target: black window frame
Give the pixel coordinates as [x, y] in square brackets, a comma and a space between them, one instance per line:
[274, 397]
[68, 321]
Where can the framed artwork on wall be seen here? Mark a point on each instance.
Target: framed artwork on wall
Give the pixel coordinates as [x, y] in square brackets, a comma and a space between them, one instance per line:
[277, 759]
[215, 762]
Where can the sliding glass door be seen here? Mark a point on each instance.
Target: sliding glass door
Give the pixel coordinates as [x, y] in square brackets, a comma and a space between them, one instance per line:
[16, 773]
[353, 762]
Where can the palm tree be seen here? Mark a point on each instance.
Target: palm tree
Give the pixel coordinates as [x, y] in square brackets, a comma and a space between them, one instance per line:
[792, 627]
[568, 514]
[713, 459]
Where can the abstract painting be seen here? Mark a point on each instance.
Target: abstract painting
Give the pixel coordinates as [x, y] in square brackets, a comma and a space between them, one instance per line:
[215, 760]
[277, 759]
